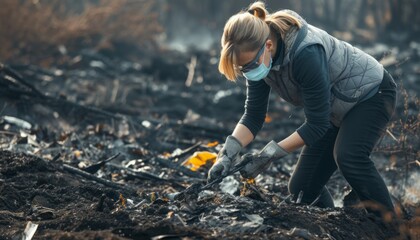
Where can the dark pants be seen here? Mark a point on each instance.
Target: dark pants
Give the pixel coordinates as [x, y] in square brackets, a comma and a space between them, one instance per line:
[348, 148]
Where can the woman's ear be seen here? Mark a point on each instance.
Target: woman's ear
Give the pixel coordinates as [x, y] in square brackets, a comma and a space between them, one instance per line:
[269, 45]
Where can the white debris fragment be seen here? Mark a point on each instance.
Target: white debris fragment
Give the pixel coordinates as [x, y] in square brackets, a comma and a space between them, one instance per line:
[30, 230]
[18, 122]
[229, 185]
[255, 220]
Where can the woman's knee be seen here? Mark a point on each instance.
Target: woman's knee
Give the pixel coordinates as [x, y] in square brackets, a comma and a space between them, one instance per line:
[352, 162]
[344, 159]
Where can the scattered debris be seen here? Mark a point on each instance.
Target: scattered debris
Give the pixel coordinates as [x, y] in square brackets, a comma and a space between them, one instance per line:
[16, 121]
[30, 230]
[118, 148]
[302, 233]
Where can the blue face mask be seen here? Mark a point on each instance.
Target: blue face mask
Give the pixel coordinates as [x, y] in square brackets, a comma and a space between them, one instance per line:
[259, 72]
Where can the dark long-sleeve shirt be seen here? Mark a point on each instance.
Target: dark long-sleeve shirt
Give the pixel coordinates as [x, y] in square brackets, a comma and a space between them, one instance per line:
[310, 70]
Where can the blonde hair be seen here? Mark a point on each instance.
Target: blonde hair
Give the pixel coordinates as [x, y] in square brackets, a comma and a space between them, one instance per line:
[247, 31]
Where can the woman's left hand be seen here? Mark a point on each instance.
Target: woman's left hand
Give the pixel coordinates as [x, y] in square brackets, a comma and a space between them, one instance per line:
[261, 161]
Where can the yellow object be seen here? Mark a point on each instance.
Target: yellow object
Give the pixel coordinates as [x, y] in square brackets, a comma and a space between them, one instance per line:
[77, 153]
[199, 159]
[212, 144]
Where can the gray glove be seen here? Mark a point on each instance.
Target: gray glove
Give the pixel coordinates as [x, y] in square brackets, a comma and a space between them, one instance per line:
[262, 160]
[228, 154]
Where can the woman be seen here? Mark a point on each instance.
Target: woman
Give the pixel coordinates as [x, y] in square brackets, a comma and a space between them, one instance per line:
[347, 96]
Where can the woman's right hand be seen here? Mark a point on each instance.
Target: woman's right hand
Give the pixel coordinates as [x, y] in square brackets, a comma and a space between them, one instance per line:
[227, 155]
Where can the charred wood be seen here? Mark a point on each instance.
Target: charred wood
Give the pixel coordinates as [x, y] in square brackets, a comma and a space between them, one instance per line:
[96, 179]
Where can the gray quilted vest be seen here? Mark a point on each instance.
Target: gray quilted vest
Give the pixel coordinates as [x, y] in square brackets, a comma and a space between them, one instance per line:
[353, 73]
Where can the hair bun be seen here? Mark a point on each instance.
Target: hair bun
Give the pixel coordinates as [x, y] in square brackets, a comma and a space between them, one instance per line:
[252, 12]
[258, 10]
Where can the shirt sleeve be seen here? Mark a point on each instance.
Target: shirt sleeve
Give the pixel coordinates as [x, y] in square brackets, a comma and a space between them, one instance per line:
[256, 105]
[310, 69]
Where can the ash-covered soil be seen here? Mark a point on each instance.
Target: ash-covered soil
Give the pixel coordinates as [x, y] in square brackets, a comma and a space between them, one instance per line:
[68, 207]
[89, 107]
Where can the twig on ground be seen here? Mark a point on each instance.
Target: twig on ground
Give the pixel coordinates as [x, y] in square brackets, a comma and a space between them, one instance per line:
[145, 175]
[191, 70]
[168, 163]
[95, 167]
[94, 178]
[186, 151]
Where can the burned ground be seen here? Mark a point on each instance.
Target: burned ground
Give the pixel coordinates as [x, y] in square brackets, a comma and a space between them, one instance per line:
[60, 124]
[68, 207]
